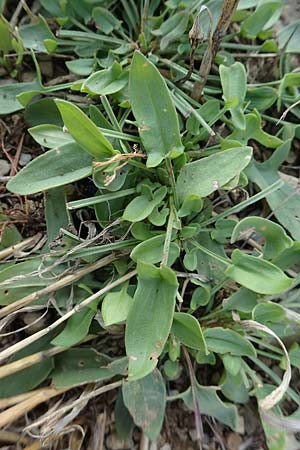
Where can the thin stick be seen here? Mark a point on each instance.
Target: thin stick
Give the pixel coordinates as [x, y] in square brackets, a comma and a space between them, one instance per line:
[10, 401]
[10, 251]
[34, 337]
[228, 9]
[13, 413]
[35, 358]
[10, 436]
[69, 279]
[82, 398]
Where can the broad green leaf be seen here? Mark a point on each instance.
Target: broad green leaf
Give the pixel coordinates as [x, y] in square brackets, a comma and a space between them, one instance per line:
[187, 330]
[27, 379]
[123, 420]
[212, 405]
[151, 250]
[257, 274]
[233, 387]
[268, 313]
[285, 201]
[84, 365]
[5, 36]
[209, 174]
[81, 66]
[289, 36]
[150, 318]
[191, 204]
[76, 329]
[56, 213]
[276, 238]
[243, 300]
[62, 165]
[8, 95]
[255, 23]
[200, 297]
[50, 136]
[224, 340]
[172, 29]
[254, 131]
[141, 207]
[290, 82]
[107, 81]
[34, 36]
[115, 306]
[232, 364]
[234, 85]
[145, 399]
[154, 111]
[105, 20]
[261, 98]
[289, 257]
[84, 131]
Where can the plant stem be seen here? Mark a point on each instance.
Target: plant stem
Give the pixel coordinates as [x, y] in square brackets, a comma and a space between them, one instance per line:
[210, 253]
[165, 256]
[172, 182]
[229, 6]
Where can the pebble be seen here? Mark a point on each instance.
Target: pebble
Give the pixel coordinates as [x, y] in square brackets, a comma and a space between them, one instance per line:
[24, 159]
[4, 167]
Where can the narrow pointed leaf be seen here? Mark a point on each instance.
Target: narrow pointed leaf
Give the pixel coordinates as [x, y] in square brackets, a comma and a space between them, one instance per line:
[150, 318]
[154, 111]
[84, 131]
[62, 165]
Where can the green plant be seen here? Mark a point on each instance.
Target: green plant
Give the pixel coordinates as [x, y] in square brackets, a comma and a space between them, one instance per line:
[172, 279]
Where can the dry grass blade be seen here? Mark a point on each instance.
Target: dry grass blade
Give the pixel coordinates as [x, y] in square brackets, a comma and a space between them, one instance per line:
[14, 249]
[276, 395]
[67, 280]
[15, 412]
[82, 399]
[30, 339]
[15, 438]
[30, 360]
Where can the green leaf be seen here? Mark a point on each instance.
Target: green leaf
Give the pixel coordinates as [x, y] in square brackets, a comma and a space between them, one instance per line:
[187, 330]
[261, 98]
[105, 20]
[257, 274]
[233, 388]
[145, 399]
[8, 95]
[256, 21]
[107, 81]
[56, 213]
[50, 136]
[141, 207]
[243, 300]
[76, 329]
[212, 405]
[84, 131]
[276, 238]
[62, 165]
[285, 201]
[151, 250]
[208, 174]
[29, 378]
[154, 111]
[234, 85]
[34, 35]
[84, 365]
[224, 340]
[150, 318]
[81, 66]
[268, 313]
[254, 131]
[289, 36]
[200, 297]
[172, 29]
[191, 204]
[115, 306]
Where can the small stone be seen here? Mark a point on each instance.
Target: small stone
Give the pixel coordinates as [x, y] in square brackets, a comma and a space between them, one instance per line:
[4, 167]
[24, 159]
